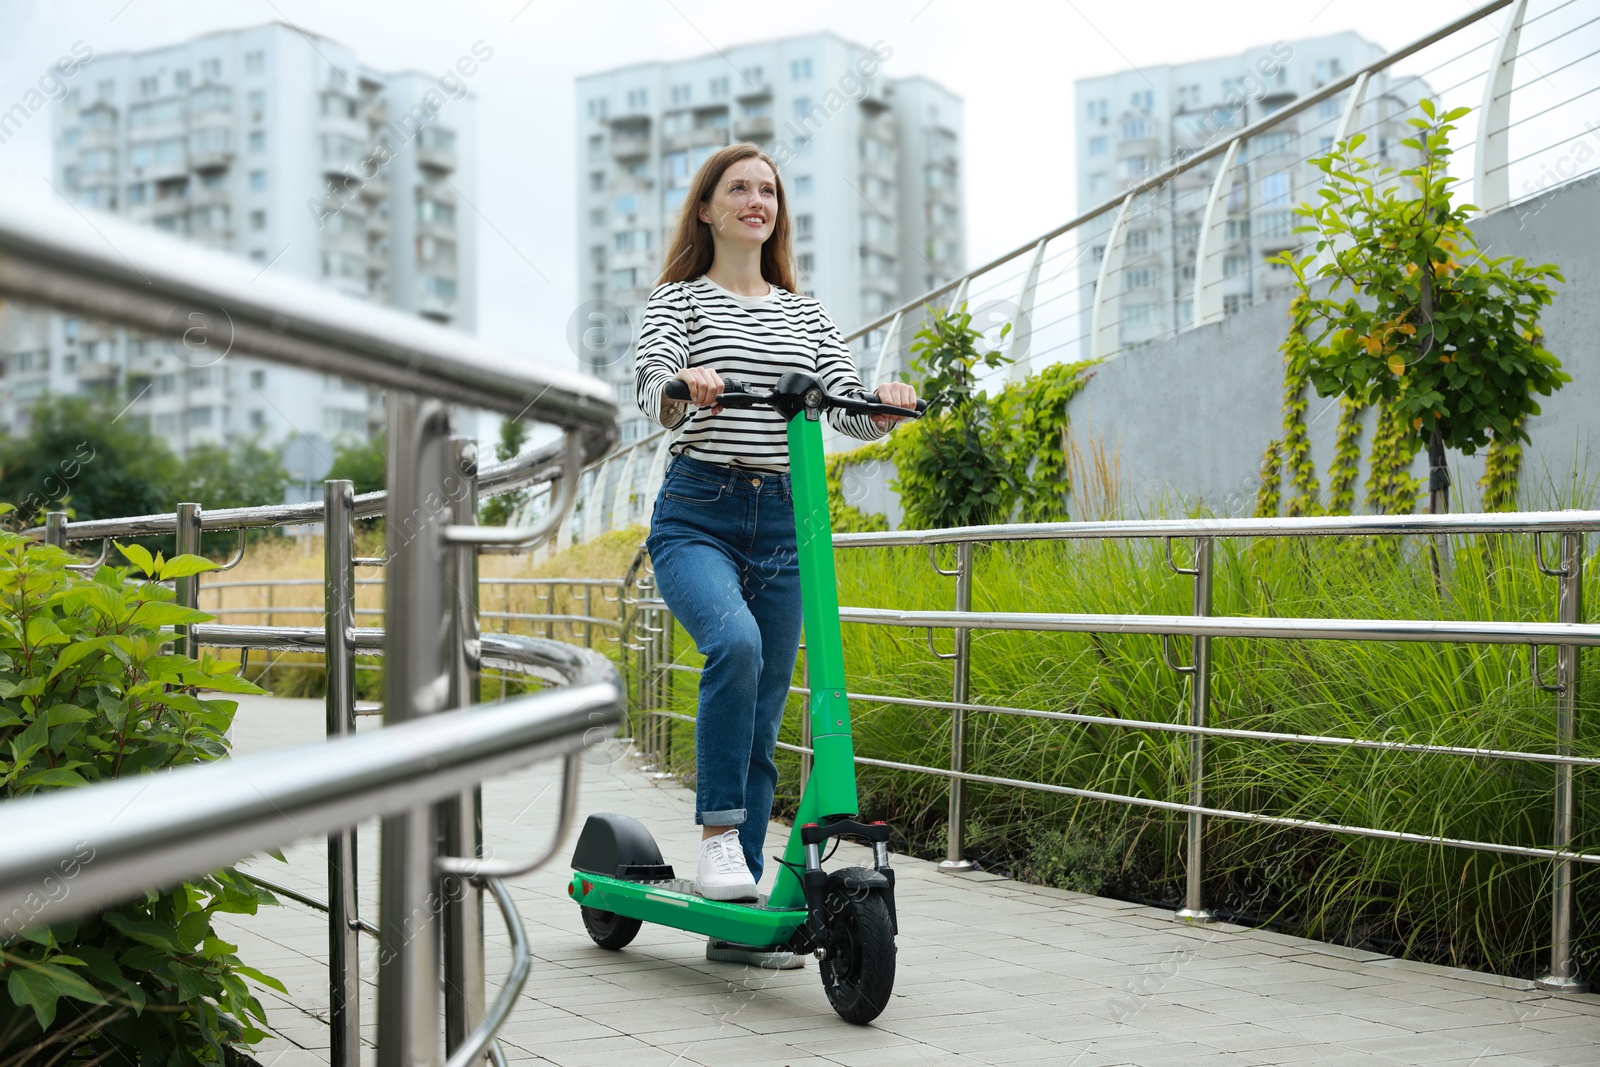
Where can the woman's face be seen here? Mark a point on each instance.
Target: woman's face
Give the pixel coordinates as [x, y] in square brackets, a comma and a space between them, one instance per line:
[744, 203]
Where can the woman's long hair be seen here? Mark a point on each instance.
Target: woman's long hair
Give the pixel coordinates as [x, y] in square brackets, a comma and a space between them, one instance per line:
[692, 249]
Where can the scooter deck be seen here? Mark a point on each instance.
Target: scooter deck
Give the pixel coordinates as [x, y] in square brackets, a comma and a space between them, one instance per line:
[674, 903]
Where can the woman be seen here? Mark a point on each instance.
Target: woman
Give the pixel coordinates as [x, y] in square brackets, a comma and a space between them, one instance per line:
[722, 538]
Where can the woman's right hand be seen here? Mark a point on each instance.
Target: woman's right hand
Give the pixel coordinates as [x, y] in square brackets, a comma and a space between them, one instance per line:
[705, 385]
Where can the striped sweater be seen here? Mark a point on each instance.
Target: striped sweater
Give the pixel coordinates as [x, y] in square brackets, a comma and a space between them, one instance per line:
[755, 340]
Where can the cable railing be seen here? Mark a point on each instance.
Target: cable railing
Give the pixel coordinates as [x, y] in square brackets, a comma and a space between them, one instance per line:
[420, 772]
[1569, 632]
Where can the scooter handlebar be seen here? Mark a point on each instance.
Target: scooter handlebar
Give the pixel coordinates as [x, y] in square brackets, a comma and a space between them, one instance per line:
[736, 394]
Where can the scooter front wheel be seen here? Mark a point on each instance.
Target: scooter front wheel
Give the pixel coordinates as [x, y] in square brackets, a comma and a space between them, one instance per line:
[858, 973]
[609, 929]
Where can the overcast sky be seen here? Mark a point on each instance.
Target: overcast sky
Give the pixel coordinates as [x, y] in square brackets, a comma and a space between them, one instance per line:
[1013, 62]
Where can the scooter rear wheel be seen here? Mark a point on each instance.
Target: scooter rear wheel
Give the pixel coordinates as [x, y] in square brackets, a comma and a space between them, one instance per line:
[858, 973]
[609, 929]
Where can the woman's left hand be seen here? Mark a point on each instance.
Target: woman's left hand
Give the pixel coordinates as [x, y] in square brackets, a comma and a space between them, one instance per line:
[897, 394]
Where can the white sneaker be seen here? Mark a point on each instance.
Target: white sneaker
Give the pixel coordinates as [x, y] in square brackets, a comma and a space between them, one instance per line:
[722, 873]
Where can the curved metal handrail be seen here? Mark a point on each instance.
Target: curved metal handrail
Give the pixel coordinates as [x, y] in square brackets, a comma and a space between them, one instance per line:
[144, 279]
[147, 830]
[482, 1037]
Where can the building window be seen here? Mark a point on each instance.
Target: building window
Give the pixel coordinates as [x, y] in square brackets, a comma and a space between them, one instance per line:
[1097, 146]
[753, 76]
[1143, 100]
[1098, 184]
[106, 90]
[258, 379]
[1098, 109]
[1330, 108]
[597, 180]
[806, 262]
[1232, 265]
[638, 99]
[180, 80]
[626, 205]
[210, 69]
[1135, 129]
[802, 225]
[253, 62]
[258, 220]
[258, 180]
[802, 106]
[597, 108]
[680, 94]
[597, 216]
[149, 86]
[258, 255]
[258, 419]
[800, 69]
[803, 186]
[1138, 242]
[1136, 315]
[1275, 190]
[258, 141]
[719, 88]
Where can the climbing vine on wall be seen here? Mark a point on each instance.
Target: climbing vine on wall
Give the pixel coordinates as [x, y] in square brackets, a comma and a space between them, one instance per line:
[1346, 458]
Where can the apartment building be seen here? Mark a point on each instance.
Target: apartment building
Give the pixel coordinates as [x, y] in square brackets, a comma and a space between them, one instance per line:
[871, 165]
[286, 150]
[1136, 123]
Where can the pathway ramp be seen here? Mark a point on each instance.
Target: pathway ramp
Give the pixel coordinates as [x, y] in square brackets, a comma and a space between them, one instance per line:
[990, 971]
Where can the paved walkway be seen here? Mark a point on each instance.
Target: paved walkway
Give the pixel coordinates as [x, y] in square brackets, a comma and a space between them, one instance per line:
[990, 971]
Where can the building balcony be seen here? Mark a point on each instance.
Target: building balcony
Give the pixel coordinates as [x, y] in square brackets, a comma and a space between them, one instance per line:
[340, 241]
[881, 283]
[375, 187]
[629, 146]
[623, 260]
[880, 168]
[631, 183]
[756, 128]
[211, 159]
[444, 231]
[439, 159]
[98, 372]
[377, 224]
[746, 91]
[377, 113]
[694, 138]
[209, 197]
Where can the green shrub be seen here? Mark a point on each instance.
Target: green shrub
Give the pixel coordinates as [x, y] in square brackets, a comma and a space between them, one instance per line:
[88, 694]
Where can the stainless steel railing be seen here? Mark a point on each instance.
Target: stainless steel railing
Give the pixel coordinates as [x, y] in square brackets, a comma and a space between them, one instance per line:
[1568, 632]
[420, 771]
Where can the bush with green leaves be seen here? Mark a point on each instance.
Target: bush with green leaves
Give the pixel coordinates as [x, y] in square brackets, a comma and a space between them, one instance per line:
[89, 693]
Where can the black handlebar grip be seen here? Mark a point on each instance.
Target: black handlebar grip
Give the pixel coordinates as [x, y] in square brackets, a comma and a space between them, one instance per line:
[677, 389]
[922, 407]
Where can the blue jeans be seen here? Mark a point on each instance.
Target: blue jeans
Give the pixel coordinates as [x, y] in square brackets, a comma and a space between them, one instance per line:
[723, 547]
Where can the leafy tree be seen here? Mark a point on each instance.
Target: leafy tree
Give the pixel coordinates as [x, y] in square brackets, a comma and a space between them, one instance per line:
[366, 463]
[246, 475]
[79, 457]
[1444, 339]
[87, 694]
[498, 509]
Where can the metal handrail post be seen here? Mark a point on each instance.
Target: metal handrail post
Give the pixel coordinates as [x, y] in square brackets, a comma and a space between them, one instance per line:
[344, 950]
[461, 817]
[55, 528]
[187, 588]
[1562, 976]
[1194, 909]
[416, 683]
[955, 859]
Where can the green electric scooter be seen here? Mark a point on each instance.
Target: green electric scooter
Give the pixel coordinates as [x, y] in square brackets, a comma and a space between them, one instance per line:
[846, 918]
